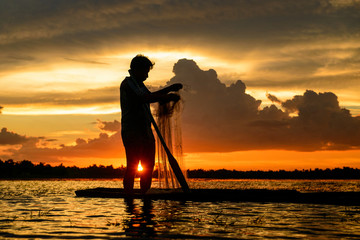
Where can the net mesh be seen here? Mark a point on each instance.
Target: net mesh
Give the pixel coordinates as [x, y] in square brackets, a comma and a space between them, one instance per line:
[168, 118]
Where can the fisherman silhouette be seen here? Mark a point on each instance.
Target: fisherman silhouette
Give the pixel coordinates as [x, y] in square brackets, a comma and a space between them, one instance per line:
[136, 132]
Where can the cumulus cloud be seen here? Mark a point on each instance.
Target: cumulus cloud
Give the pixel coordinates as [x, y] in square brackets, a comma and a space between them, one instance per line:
[221, 118]
[322, 121]
[109, 126]
[103, 146]
[11, 138]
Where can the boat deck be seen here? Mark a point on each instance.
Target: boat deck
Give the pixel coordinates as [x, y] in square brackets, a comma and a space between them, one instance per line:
[247, 195]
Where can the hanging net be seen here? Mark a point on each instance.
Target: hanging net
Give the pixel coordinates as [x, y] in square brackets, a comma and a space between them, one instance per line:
[168, 118]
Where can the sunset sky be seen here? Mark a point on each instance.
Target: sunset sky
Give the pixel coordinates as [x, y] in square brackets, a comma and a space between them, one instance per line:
[268, 84]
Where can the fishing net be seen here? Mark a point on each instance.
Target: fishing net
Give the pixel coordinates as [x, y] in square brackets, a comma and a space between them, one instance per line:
[168, 118]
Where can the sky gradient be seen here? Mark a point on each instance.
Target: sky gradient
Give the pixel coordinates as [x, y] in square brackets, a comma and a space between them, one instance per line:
[267, 84]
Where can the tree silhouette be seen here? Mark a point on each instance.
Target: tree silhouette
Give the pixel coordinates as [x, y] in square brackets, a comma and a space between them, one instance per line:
[25, 169]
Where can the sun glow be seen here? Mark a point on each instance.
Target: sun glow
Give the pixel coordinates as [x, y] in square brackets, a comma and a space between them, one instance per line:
[140, 168]
[158, 55]
[64, 78]
[62, 110]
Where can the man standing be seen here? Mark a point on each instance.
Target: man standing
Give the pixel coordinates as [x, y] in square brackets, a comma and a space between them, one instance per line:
[136, 131]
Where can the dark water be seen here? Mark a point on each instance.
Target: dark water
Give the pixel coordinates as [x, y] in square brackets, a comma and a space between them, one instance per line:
[50, 210]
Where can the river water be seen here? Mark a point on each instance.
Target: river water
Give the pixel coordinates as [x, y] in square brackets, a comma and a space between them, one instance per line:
[49, 209]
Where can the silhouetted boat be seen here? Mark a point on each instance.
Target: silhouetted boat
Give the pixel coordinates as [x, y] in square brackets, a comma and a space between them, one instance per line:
[247, 195]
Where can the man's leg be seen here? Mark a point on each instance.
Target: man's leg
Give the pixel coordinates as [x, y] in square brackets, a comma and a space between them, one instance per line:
[147, 162]
[132, 161]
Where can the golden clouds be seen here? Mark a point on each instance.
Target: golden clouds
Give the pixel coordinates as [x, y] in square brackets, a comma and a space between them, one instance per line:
[68, 58]
[226, 118]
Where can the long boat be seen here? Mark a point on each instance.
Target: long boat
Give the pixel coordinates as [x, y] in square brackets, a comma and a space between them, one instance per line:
[236, 195]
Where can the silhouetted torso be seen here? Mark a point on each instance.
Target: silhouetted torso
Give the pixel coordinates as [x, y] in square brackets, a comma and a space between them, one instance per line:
[135, 123]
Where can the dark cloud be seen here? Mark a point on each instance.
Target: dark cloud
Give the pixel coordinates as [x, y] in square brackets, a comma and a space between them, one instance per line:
[90, 96]
[104, 146]
[1, 108]
[273, 98]
[321, 65]
[235, 28]
[21, 58]
[335, 82]
[51, 140]
[220, 118]
[323, 122]
[50, 18]
[290, 42]
[109, 126]
[86, 61]
[11, 138]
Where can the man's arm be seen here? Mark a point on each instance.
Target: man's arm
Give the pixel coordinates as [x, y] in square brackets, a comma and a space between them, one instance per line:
[159, 97]
[172, 88]
[163, 95]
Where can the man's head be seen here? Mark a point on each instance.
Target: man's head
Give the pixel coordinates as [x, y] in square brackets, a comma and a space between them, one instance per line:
[140, 67]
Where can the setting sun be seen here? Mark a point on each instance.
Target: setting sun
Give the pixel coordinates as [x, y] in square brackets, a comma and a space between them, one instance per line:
[140, 168]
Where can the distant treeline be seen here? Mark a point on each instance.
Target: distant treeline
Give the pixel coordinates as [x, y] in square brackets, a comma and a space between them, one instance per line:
[336, 173]
[25, 169]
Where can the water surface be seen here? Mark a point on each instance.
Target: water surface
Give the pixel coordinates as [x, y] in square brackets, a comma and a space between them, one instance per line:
[49, 209]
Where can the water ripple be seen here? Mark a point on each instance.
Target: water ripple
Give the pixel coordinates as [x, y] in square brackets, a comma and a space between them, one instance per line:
[50, 210]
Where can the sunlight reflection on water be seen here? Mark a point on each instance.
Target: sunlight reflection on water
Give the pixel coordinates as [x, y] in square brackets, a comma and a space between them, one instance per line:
[49, 209]
[299, 185]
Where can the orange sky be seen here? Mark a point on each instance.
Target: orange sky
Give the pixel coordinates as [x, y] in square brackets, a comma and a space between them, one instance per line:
[267, 86]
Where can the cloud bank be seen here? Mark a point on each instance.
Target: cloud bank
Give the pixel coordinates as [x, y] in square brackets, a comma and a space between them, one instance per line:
[289, 43]
[220, 118]
[104, 146]
[11, 138]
